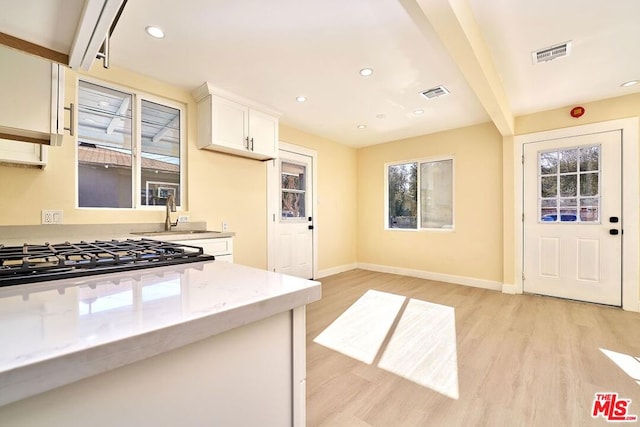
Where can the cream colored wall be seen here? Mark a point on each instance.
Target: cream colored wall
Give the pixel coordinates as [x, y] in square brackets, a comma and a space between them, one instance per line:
[598, 111]
[336, 219]
[474, 248]
[508, 215]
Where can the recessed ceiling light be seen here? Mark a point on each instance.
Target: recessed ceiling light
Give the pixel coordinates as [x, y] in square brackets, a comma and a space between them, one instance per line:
[418, 112]
[381, 116]
[301, 98]
[155, 32]
[362, 126]
[630, 83]
[366, 72]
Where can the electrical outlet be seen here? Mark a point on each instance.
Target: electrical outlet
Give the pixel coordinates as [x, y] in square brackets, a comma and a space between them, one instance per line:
[183, 218]
[51, 217]
[225, 226]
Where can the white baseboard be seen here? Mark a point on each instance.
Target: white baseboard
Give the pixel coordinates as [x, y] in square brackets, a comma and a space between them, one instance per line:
[509, 289]
[335, 270]
[421, 274]
[631, 307]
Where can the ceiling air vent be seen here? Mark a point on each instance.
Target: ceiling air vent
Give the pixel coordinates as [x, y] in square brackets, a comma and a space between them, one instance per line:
[435, 92]
[550, 53]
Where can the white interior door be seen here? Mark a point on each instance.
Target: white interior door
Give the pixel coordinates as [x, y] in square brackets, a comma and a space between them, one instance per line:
[293, 252]
[572, 218]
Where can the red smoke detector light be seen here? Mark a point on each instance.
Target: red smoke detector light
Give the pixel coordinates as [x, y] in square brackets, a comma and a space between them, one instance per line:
[577, 112]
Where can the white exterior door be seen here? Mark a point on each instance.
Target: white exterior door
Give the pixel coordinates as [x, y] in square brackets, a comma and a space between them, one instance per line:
[293, 251]
[572, 227]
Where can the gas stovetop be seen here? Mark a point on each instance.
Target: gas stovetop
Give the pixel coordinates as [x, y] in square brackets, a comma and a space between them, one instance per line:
[38, 263]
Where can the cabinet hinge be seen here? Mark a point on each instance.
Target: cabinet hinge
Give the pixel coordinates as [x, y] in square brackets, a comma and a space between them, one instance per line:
[523, 217]
[274, 217]
[523, 277]
[523, 159]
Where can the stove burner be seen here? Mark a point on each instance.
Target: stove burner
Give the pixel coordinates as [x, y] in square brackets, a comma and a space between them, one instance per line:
[37, 263]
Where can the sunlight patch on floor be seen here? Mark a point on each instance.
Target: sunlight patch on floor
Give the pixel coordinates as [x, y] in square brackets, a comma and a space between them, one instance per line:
[420, 338]
[423, 347]
[629, 364]
[361, 329]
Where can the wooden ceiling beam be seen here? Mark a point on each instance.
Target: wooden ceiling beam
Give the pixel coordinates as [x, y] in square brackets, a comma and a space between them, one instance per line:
[34, 49]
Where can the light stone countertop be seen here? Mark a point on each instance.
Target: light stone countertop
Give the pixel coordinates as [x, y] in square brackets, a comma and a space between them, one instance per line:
[39, 234]
[54, 333]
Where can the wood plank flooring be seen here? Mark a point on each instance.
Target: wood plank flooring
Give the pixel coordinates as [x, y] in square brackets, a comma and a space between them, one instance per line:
[521, 360]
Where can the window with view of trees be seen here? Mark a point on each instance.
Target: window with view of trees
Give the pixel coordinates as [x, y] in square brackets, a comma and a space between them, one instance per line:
[129, 148]
[419, 194]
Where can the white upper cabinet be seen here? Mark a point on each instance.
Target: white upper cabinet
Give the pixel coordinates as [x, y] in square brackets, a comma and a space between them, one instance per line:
[230, 124]
[263, 133]
[32, 109]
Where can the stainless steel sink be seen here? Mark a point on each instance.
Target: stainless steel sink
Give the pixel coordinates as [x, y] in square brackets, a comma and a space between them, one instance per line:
[172, 232]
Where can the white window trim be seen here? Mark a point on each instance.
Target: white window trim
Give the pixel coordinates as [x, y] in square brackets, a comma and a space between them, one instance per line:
[138, 96]
[418, 207]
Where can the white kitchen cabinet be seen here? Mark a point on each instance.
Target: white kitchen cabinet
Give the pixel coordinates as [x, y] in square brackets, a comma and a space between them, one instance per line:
[263, 133]
[32, 108]
[24, 153]
[221, 248]
[233, 125]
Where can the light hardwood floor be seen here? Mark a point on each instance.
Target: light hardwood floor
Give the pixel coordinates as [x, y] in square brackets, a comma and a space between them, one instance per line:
[521, 360]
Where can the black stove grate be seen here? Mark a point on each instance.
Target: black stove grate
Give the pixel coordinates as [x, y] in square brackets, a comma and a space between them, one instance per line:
[36, 263]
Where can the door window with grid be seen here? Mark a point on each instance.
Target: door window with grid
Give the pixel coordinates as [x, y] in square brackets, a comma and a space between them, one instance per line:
[569, 185]
[293, 190]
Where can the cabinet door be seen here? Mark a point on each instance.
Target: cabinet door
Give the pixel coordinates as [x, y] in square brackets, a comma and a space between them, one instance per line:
[23, 153]
[31, 97]
[263, 133]
[221, 248]
[230, 123]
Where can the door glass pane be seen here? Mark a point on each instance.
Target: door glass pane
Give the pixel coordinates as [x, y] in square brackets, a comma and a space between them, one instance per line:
[589, 209]
[549, 186]
[160, 129]
[403, 184]
[105, 158]
[568, 161]
[589, 158]
[549, 163]
[549, 210]
[589, 184]
[568, 210]
[568, 185]
[293, 189]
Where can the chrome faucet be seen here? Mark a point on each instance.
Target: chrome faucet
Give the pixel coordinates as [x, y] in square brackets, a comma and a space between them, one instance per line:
[171, 207]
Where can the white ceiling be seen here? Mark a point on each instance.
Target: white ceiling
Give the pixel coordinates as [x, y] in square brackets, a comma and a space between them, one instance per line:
[272, 51]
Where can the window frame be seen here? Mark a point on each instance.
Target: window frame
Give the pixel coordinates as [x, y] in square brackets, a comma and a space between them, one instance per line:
[137, 96]
[420, 161]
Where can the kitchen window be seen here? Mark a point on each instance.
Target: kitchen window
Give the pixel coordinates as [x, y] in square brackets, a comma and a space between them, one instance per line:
[419, 194]
[129, 148]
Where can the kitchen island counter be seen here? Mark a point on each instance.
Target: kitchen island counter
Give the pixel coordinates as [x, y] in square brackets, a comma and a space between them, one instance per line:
[62, 334]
